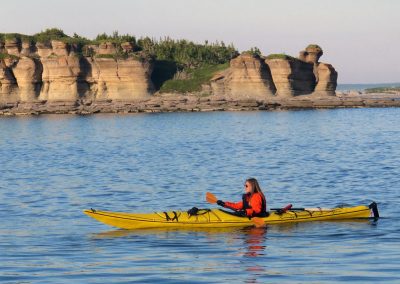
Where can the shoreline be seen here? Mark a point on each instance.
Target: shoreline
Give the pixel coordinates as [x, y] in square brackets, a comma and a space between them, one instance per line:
[194, 103]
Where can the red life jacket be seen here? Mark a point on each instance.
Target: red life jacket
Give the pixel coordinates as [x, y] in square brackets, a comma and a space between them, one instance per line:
[253, 204]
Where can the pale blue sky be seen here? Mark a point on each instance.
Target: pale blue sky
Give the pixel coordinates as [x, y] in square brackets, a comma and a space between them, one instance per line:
[360, 38]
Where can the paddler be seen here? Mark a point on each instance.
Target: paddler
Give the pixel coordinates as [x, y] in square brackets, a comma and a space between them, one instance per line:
[253, 202]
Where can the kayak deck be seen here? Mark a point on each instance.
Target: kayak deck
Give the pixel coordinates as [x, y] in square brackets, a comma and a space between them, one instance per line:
[221, 218]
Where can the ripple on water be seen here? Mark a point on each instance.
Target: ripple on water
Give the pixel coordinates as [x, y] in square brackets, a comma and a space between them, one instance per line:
[53, 167]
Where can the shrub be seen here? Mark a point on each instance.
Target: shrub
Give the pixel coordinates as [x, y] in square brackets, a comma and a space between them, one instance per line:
[114, 38]
[50, 34]
[187, 54]
[254, 51]
[197, 77]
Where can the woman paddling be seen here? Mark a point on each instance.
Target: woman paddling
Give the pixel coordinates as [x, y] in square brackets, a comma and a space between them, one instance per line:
[253, 202]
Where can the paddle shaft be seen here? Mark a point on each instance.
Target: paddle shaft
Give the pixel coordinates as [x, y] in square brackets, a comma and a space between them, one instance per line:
[211, 198]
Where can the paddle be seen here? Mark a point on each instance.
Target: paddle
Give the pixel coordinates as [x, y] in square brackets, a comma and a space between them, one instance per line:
[258, 222]
[211, 198]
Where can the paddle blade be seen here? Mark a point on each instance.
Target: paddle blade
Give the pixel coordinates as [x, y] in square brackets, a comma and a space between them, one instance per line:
[211, 198]
[258, 222]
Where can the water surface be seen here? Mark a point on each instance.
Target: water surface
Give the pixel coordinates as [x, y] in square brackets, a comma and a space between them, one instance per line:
[53, 167]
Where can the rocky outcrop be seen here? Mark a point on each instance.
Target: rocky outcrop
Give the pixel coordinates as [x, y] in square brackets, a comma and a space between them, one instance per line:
[291, 76]
[325, 74]
[27, 72]
[12, 47]
[311, 54]
[60, 73]
[106, 48]
[8, 83]
[247, 77]
[193, 103]
[44, 50]
[27, 49]
[121, 79]
[326, 80]
[54, 71]
[279, 76]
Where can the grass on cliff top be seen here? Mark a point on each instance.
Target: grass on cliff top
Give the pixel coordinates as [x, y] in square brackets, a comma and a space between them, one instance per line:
[280, 56]
[316, 46]
[383, 90]
[198, 77]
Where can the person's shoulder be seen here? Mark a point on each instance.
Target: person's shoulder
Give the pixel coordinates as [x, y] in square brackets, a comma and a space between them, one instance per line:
[257, 195]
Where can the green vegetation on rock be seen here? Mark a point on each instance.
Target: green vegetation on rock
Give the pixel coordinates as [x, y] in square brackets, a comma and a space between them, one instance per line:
[197, 77]
[316, 46]
[280, 56]
[254, 51]
[115, 38]
[6, 56]
[188, 54]
[389, 90]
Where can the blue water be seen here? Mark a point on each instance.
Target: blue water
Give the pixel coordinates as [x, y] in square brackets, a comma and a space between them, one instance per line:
[53, 167]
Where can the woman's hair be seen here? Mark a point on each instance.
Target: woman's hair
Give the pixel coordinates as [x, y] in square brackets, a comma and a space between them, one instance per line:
[256, 187]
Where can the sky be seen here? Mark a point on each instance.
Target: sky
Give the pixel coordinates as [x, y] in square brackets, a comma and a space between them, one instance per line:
[360, 38]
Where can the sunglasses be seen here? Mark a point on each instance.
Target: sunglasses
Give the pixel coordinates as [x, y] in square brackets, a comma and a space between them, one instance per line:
[246, 185]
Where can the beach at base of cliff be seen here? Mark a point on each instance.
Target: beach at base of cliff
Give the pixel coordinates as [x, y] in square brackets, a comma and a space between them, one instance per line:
[195, 103]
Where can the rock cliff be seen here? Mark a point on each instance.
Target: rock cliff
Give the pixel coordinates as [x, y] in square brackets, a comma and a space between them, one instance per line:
[121, 79]
[59, 71]
[27, 72]
[54, 71]
[247, 77]
[326, 80]
[276, 76]
[292, 77]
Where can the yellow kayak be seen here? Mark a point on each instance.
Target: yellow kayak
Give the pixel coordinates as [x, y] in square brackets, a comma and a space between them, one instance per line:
[220, 218]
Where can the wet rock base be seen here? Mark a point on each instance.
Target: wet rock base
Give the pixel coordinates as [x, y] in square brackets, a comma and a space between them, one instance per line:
[193, 103]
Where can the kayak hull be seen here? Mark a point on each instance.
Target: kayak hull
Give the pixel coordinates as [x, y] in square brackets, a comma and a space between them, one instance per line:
[214, 218]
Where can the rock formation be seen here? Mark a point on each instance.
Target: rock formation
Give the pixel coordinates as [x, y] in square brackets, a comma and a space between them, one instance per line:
[54, 71]
[27, 72]
[8, 83]
[247, 77]
[57, 71]
[325, 74]
[114, 78]
[326, 80]
[12, 47]
[279, 76]
[291, 76]
[311, 54]
[60, 73]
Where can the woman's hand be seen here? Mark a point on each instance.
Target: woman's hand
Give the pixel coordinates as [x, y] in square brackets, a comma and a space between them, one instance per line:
[221, 203]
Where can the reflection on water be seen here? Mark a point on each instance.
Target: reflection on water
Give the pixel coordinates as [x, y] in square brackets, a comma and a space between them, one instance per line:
[253, 238]
[165, 230]
[254, 241]
[53, 167]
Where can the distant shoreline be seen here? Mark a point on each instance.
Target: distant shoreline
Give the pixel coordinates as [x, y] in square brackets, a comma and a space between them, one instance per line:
[194, 103]
[363, 87]
[50, 73]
